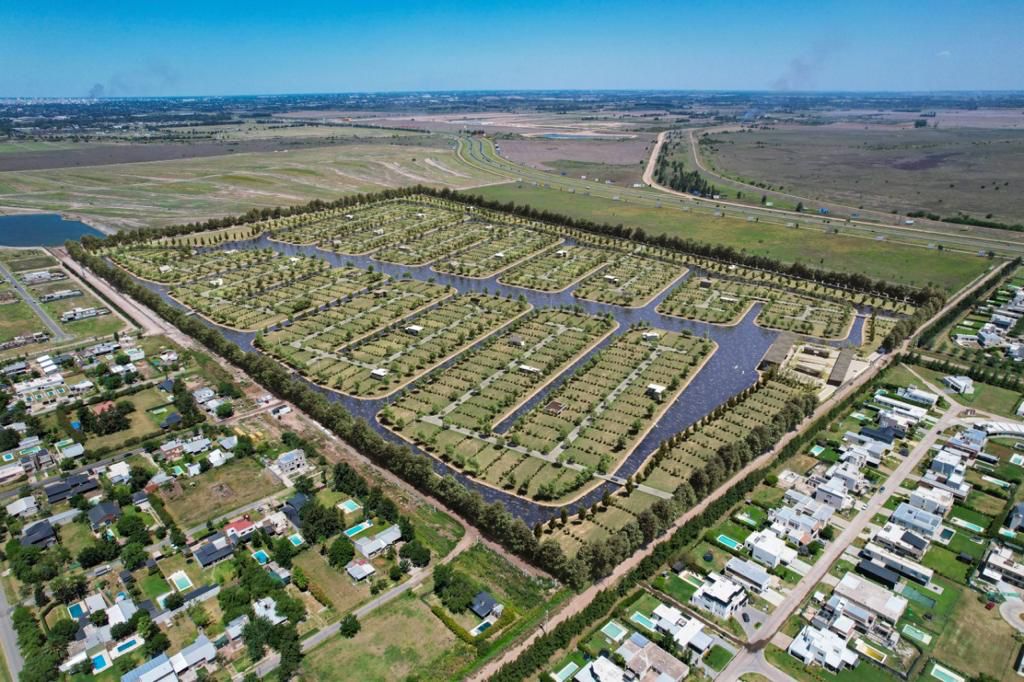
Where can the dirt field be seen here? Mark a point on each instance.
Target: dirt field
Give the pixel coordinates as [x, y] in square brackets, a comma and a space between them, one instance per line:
[217, 491]
[149, 194]
[89, 154]
[621, 161]
[942, 170]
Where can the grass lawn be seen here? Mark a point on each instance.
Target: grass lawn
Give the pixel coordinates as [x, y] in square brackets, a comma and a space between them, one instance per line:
[343, 593]
[944, 562]
[880, 260]
[675, 587]
[436, 530]
[218, 491]
[153, 586]
[1000, 401]
[934, 618]
[17, 319]
[718, 658]
[978, 640]
[76, 536]
[395, 643]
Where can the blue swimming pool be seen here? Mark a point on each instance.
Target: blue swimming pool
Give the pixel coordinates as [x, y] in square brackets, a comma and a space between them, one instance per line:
[76, 610]
[642, 620]
[729, 542]
[358, 528]
[261, 557]
[125, 646]
[99, 662]
[350, 506]
[295, 539]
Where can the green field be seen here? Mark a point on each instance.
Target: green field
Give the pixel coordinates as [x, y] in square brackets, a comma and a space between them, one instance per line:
[218, 491]
[882, 260]
[402, 641]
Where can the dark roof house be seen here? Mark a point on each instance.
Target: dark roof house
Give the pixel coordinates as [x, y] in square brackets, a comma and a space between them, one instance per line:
[483, 604]
[104, 514]
[39, 534]
[77, 484]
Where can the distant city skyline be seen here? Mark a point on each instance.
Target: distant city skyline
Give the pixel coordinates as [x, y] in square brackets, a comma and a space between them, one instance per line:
[64, 49]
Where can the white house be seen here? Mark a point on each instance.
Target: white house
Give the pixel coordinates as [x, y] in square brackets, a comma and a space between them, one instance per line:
[822, 647]
[959, 384]
[932, 500]
[719, 595]
[768, 548]
[24, 506]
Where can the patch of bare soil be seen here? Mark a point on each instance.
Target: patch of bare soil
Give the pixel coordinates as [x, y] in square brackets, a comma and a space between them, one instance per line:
[222, 491]
[110, 154]
[538, 151]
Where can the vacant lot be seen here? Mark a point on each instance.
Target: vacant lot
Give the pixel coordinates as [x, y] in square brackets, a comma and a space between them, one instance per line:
[218, 491]
[881, 260]
[942, 171]
[977, 641]
[403, 641]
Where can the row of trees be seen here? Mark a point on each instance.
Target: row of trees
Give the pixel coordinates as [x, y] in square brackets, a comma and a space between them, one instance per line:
[493, 519]
[853, 280]
[547, 645]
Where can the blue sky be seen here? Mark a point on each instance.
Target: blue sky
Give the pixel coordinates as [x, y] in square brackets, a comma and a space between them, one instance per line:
[58, 48]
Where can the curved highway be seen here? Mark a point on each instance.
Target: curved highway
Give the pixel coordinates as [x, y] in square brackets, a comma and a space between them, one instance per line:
[481, 154]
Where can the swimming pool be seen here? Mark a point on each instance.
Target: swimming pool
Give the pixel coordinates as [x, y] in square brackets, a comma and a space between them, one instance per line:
[261, 557]
[349, 506]
[1017, 459]
[127, 645]
[8, 456]
[76, 610]
[642, 620]
[871, 652]
[100, 662]
[480, 628]
[946, 534]
[181, 581]
[358, 528]
[920, 635]
[729, 542]
[817, 450]
[967, 524]
[613, 631]
[566, 672]
[945, 674]
[177, 470]
[295, 539]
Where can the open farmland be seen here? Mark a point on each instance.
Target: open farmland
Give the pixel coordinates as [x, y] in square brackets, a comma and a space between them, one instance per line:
[556, 269]
[887, 168]
[133, 195]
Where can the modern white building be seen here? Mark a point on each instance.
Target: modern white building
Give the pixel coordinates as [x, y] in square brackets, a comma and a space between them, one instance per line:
[822, 647]
[719, 595]
[932, 500]
[768, 548]
[959, 384]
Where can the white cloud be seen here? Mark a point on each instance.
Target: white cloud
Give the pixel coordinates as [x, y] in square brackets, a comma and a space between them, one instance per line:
[944, 54]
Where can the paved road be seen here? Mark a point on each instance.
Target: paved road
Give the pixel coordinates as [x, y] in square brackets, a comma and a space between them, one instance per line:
[580, 601]
[966, 242]
[8, 640]
[835, 549]
[55, 331]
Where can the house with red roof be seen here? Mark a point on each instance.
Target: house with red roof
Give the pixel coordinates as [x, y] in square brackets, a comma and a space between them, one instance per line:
[239, 529]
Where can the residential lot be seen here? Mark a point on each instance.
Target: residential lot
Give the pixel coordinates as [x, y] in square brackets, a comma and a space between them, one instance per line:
[555, 269]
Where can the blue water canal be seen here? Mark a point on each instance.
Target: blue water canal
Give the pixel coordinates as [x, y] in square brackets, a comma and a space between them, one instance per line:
[731, 369]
